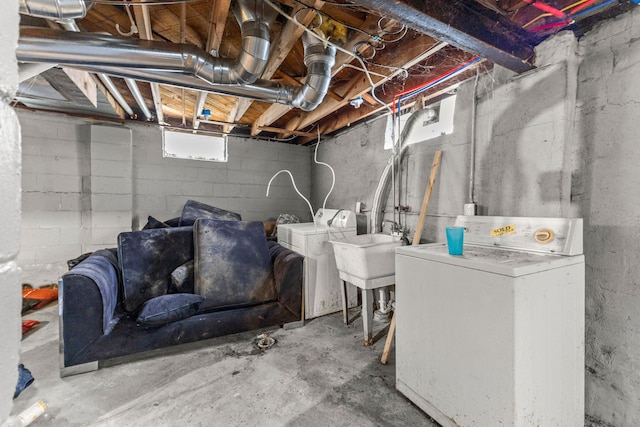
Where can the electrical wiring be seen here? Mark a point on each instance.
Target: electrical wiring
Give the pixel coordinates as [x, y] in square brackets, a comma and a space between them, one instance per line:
[564, 9]
[293, 181]
[324, 203]
[376, 38]
[582, 6]
[312, 33]
[373, 73]
[401, 96]
[403, 71]
[546, 8]
[563, 23]
[594, 8]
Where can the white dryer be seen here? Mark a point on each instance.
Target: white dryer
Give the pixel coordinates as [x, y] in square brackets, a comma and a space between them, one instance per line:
[322, 284]
[495, 337]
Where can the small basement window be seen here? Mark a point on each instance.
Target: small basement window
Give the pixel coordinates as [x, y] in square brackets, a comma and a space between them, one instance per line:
[182, 145]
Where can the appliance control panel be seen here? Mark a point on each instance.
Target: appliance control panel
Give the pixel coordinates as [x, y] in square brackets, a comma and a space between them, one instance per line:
[561, 236]
[335, 218]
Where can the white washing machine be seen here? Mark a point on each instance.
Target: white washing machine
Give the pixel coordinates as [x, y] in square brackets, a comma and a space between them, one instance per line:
[494, 337]
[322, 284]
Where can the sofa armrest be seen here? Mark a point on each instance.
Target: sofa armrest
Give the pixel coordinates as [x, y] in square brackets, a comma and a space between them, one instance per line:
[88, 295]
[288, 272]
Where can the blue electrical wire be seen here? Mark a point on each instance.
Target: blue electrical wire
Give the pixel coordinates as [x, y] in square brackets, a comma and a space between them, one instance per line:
[593, 9]
[440, 80]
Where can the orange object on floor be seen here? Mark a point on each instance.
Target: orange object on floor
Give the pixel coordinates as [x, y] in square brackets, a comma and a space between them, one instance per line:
[44, 295]
[28, 324]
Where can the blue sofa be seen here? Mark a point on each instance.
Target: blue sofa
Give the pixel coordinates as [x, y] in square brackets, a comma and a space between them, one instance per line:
[118, 302]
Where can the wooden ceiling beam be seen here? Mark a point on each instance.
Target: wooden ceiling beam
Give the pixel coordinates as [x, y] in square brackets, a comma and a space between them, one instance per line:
[167, 24]
[143, 22]
[276, 111]
[217, 23]
[345, 118]
[295, 132]
[468, 26]
[360, 85]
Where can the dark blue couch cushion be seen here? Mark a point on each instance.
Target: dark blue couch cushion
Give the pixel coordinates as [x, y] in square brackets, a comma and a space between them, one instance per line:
[193, 210]
[232, 264]
[154, 223]
[147, 258]
[168, 308]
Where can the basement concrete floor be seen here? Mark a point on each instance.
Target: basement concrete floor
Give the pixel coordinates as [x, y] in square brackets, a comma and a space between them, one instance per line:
[316, 375]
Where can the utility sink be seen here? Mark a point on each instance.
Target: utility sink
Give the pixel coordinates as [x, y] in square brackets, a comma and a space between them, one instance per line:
[367, 256]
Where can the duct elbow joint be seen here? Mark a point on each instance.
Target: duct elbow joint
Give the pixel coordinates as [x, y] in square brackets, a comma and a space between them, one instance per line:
[55, 9]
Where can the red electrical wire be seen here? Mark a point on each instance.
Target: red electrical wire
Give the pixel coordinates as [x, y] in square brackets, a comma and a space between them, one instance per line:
[582, 6]
[564, 22]
[453, 70]
[549, 26]
[547, 8]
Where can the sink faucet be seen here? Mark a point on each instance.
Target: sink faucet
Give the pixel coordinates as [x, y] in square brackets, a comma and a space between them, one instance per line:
[395, 227]
[398, 230]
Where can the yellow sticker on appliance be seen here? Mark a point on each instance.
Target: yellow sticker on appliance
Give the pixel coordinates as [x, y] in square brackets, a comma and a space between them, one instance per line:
[505, 229]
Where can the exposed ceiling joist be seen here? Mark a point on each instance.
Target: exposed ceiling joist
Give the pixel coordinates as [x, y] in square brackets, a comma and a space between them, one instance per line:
[360, 85]
[217, 22]
[276, 111]
[503, 32]
[143, 22]
[285, 41]
[456, 22]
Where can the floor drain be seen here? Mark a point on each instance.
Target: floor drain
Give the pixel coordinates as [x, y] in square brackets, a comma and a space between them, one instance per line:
[265, 341]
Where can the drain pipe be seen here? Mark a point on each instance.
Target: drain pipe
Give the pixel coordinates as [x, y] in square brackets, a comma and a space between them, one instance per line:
[471, 208]
[382, 190]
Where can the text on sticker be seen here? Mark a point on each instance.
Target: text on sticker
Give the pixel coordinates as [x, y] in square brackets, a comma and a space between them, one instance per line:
[506, 229]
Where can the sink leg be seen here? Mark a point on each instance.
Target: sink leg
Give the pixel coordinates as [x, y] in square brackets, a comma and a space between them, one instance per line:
[345, 305]
[367, 315]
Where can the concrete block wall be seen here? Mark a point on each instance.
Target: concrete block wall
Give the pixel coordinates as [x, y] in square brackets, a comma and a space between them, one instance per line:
[557, 141]
[84, 183]
[109, 186]
[523, 148]
[607, 189]
[56, 168]
[10, 160]
[163, 185]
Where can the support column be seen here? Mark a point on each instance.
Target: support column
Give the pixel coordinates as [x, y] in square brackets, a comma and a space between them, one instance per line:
[10, 211]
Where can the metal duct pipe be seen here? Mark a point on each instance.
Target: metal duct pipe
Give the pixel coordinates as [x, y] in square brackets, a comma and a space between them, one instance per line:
[70, 25]
[95, 50]
[319, 60]
[45, 45]
[137, 95]
[261, 90]
[41, 44]
[55, 9]
[113, 90]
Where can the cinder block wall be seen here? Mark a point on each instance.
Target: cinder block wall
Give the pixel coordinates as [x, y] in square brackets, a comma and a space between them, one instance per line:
[558, 141]
[162, 185]
[10, 293]
[607, 189]
[80, 189]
